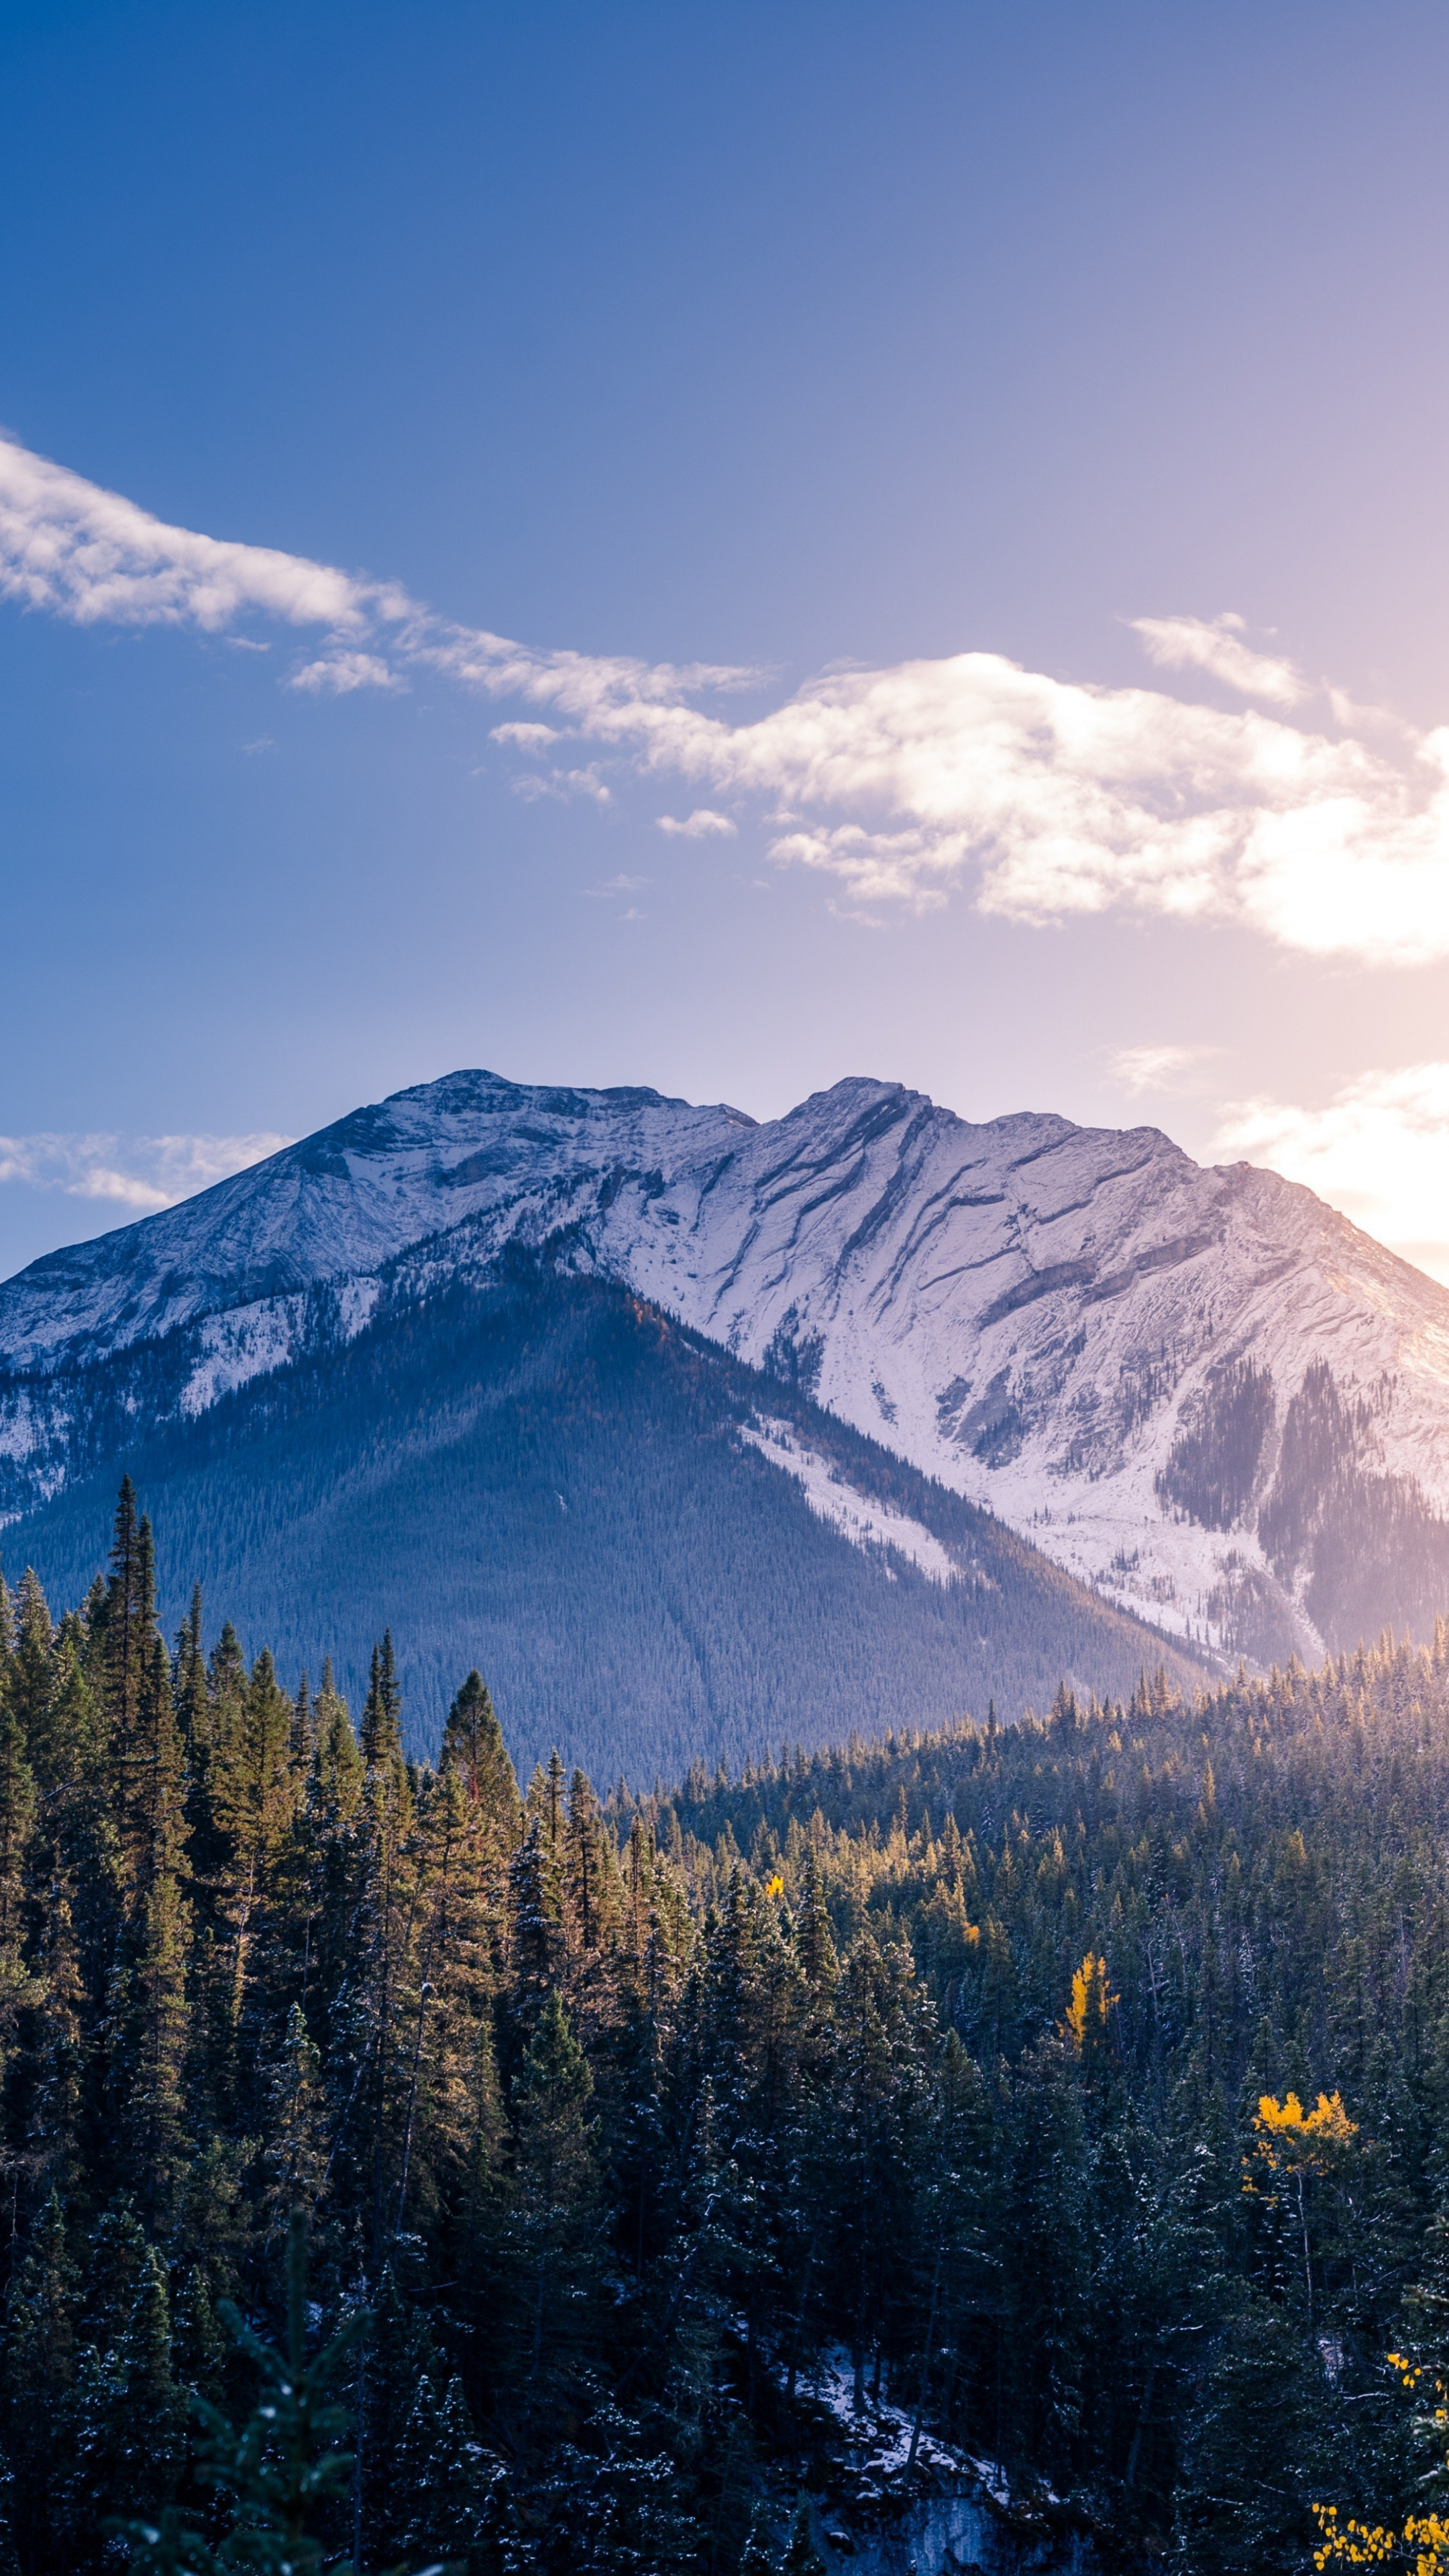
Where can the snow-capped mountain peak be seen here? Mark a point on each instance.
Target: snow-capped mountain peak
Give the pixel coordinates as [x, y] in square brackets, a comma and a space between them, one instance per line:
[1162, 1374]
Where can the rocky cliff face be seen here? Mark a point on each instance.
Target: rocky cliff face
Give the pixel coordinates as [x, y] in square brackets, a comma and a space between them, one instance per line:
[1198, 1389]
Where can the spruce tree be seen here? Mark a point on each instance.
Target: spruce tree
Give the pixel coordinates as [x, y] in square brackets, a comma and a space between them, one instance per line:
[193, 1698]
[473, 1746]
[536, 1907]
[759, 2557]
[17, 1825]
[339, 1769]
[31, 1672]
[283, 2471]
[552, 2219]
[591, 1887]
[154, 1989]
[445, 2479]
[39, 2371]
[803, 2556]
[127, 1614]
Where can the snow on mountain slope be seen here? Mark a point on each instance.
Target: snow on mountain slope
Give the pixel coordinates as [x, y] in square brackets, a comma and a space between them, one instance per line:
[342, 1203]
[859, 1517]
[1199, 1389]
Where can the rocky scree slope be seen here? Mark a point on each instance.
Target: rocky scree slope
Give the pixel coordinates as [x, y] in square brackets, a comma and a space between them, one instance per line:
[1200, 1390]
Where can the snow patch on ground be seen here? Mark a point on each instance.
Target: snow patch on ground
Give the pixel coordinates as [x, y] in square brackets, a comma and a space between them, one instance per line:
[881, 2435]
[865, 1522]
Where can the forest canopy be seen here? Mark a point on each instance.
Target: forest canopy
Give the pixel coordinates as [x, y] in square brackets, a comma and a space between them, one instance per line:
[1071, 2097]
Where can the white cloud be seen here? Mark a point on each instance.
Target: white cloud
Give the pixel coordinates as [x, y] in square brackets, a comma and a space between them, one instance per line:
[618, 885]
[1156, 1068]
[1067, 799]
[1216, 646]
[90, 555]
[1048, 798]
[526, 737]
[562, 784]
[702, 825]
[899, 867]
[336, 675]
[142, 1173]
[1379, 1153]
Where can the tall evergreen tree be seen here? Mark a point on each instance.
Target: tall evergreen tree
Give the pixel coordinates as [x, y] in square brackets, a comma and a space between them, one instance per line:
[552, 2220]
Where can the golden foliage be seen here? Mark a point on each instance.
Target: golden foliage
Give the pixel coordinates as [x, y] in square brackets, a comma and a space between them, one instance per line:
[1422, 2546]
[1293, 2143]
[1092, 1999]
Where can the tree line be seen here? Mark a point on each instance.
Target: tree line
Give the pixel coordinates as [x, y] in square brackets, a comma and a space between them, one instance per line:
[1073, 2095]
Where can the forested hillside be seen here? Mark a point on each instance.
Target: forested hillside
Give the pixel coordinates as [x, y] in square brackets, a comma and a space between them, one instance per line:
[1071, 2099]
[546, 1477]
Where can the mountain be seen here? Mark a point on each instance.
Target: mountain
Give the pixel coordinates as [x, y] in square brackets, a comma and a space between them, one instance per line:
[653, 1551]
[1200, 1391]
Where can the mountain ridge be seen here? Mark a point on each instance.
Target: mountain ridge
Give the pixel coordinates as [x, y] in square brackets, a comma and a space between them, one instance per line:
[1196, 1388]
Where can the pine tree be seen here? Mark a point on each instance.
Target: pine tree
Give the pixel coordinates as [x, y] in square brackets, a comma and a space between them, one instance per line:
[30, 1679]
[382, 1715]
[591, 1886]
[814, 1938]
[39, 2369]
[536, 1907]
[384, 1820]
[803, 2556]
[127, 1615]
[445, 2478]
[473, 1746]
[338, 1766]
[759, 2557]
[401, 2362]
[296, 2155]
[17, 1824]
[125, 2412]
[446, 1981]
[550, 2234]
[154, 1990]
[75, 1873]
[254, 1787]
[283, 2469]
[192, 1695]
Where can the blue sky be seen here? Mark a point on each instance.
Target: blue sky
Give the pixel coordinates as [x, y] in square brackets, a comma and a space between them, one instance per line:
[825, 344]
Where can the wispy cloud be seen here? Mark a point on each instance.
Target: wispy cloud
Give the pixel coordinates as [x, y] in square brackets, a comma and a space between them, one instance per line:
[1379, 1152]
[563, 784]
[1048, 798]
[337, 674]
[617, 885]
[525, 737]
[1157, 1068]
[702, 825]
[1216, 645]
[141, 1173]
[83, 553]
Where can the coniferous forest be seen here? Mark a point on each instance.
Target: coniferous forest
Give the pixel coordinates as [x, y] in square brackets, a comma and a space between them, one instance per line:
[687, 2182]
